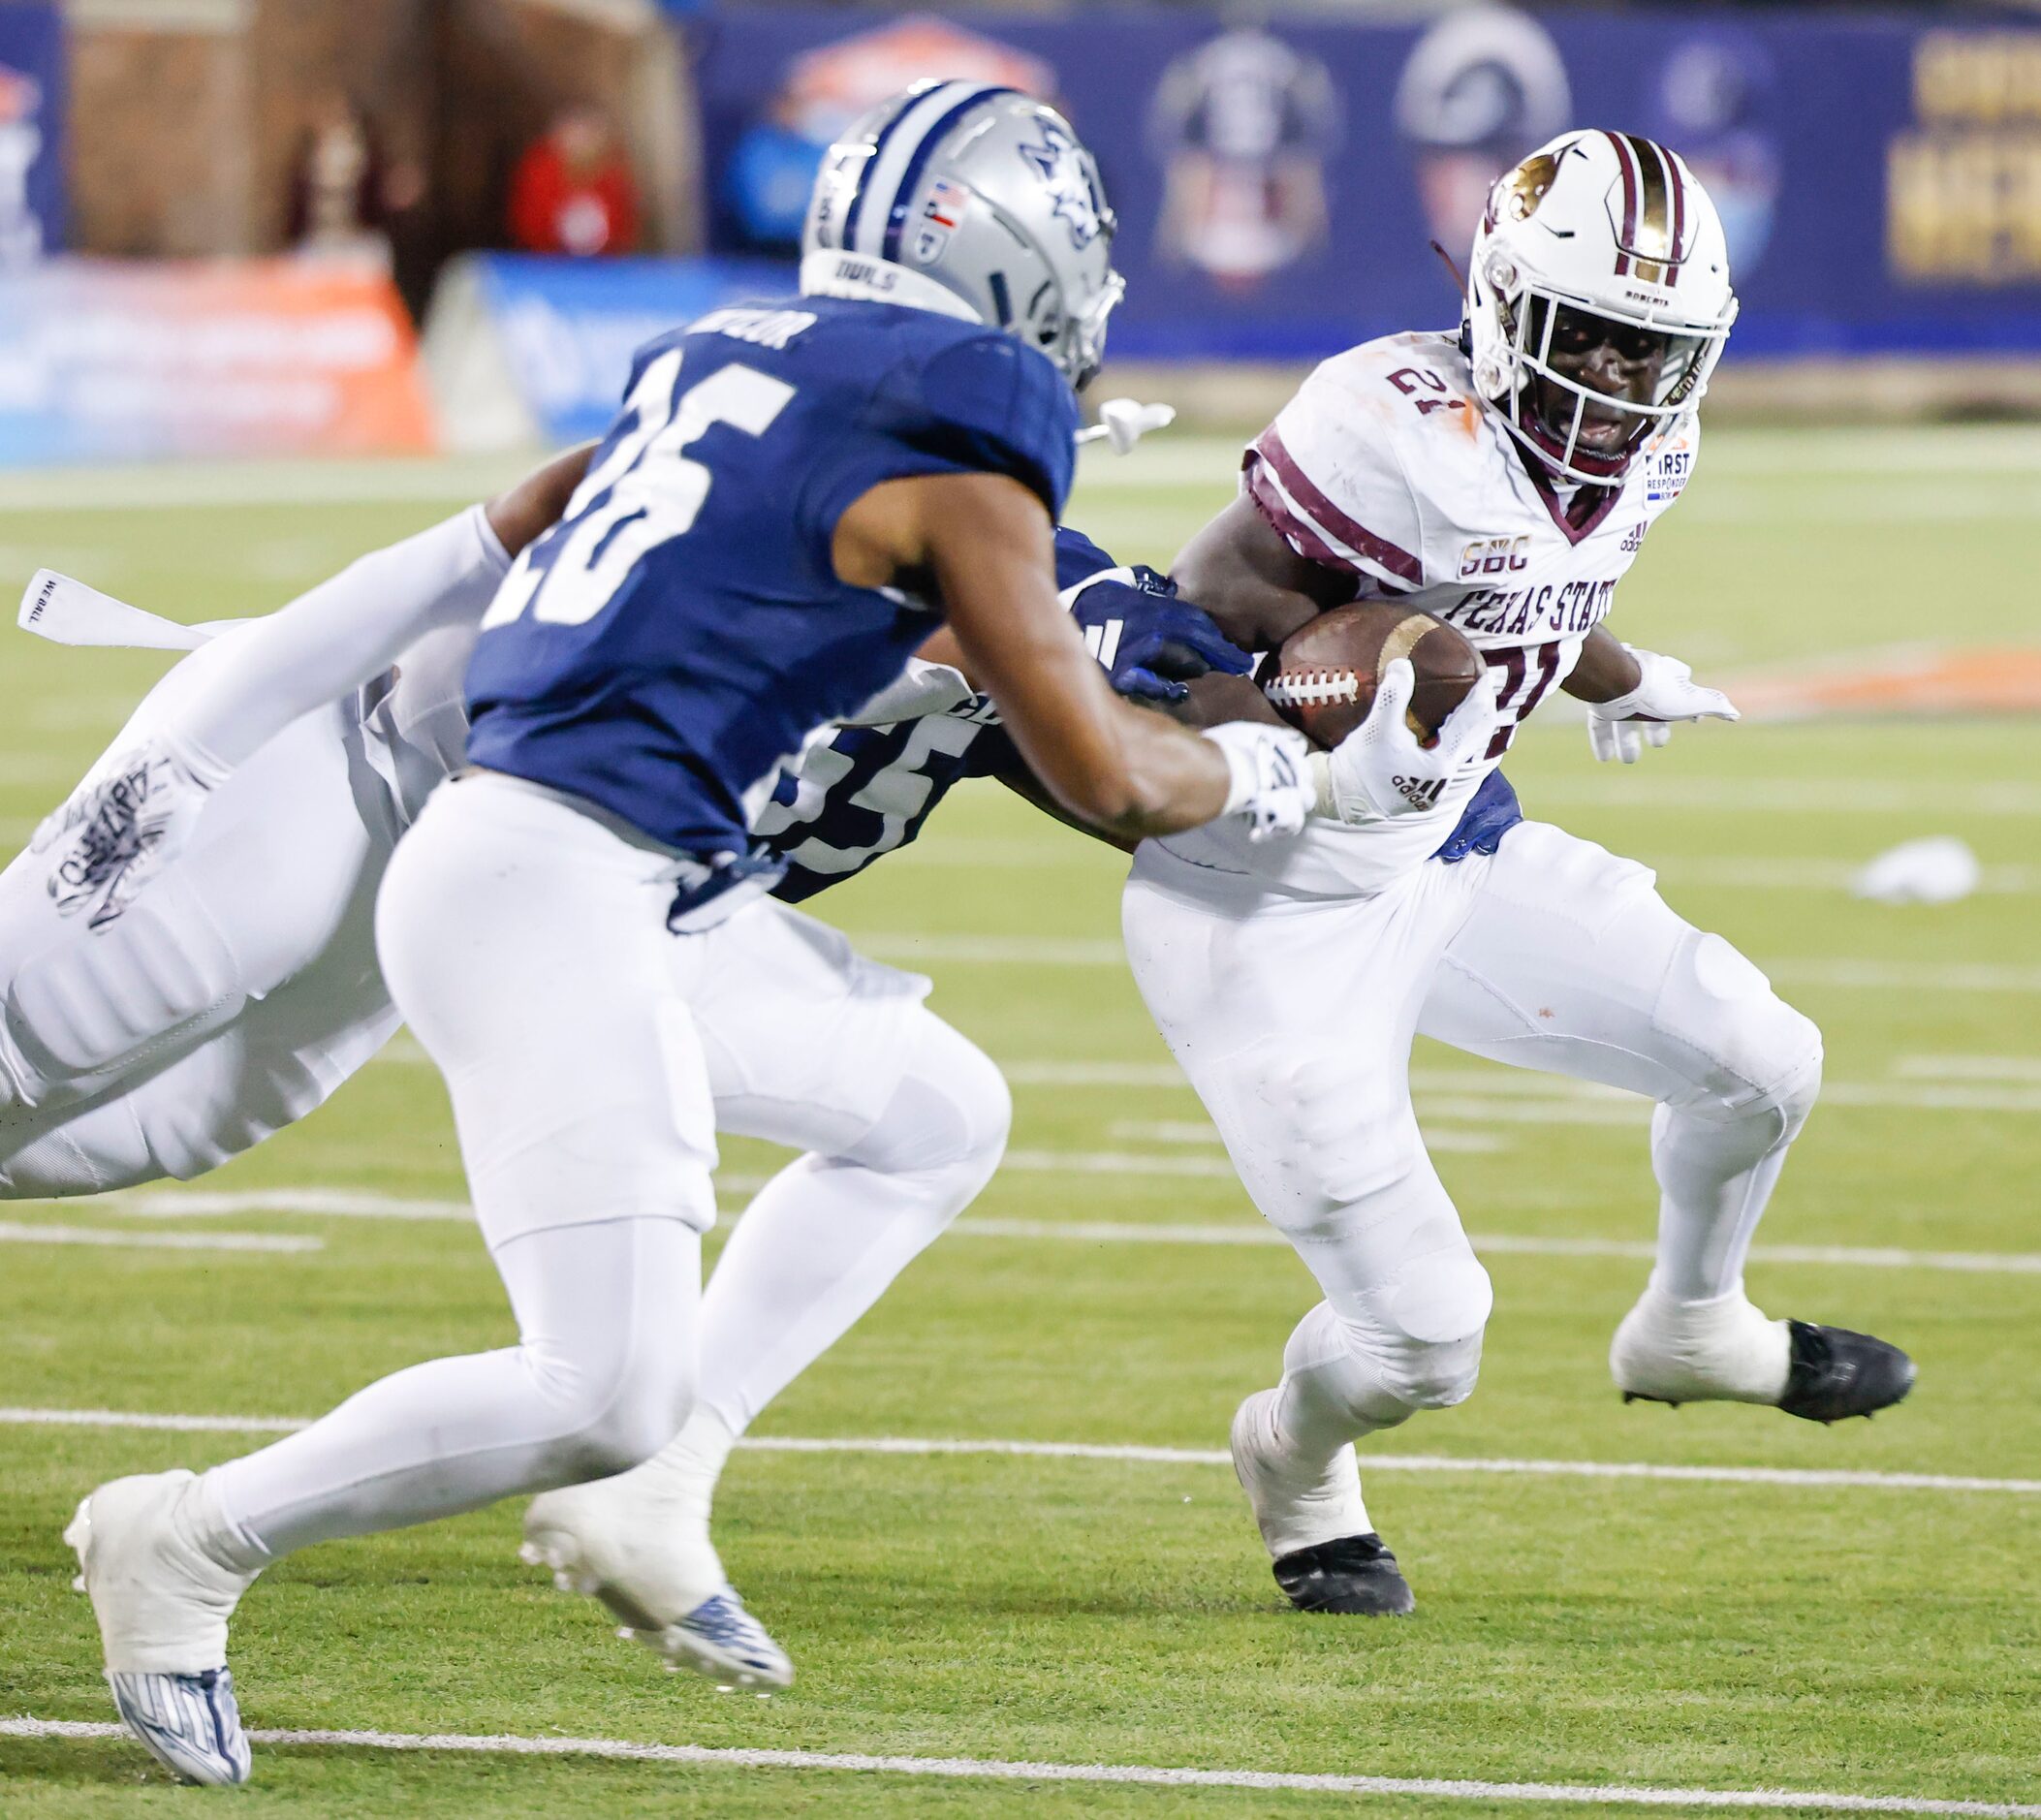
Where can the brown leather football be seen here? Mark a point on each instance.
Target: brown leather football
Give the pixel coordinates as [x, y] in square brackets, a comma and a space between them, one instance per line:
[1323, 680]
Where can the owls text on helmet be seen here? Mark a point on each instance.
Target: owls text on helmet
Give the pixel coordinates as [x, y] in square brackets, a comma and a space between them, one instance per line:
[975, 200]
[1598, 299]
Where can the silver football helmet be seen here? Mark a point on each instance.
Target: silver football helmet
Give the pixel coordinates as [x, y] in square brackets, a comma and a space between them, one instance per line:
[977, 201]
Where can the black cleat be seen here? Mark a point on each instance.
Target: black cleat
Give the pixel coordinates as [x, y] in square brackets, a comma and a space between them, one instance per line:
[1353, 1573]
[1835, 1373]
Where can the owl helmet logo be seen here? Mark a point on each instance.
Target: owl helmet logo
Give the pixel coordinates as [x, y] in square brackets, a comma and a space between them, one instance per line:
[1066, 174]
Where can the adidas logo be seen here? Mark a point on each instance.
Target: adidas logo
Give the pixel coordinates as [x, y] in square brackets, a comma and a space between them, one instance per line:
[1421, 793]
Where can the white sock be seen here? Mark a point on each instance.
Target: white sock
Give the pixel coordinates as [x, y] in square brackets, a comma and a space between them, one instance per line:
[606, 1311]
[1692, 1351]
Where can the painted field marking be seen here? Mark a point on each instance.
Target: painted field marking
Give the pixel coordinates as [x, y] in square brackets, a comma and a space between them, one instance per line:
[1801, 795]
[910, 1446]
[1094, 952]
[13, 1233]
[1748, 872]
[2015, 1068]
[1190, 1132]
[320, 1203]
[1512, 1244]
[1003, 1770]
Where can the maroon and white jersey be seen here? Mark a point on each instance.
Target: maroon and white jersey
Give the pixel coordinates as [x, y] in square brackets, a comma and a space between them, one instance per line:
[1389, 467]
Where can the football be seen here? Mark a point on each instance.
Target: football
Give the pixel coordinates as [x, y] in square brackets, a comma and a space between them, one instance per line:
[1323, 680]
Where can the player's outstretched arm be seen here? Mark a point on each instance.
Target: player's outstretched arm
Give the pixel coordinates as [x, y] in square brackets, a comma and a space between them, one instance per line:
[122, 828]
[984, 542]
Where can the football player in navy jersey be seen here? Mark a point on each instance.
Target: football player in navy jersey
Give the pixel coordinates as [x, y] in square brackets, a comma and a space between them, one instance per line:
[791, 499]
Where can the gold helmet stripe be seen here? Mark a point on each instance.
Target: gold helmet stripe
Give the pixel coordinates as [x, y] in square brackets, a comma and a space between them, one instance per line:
[1653, 239]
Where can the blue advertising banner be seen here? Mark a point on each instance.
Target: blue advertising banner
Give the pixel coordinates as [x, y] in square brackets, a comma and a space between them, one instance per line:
[31, 132]
[1280, 184]
[567, 328]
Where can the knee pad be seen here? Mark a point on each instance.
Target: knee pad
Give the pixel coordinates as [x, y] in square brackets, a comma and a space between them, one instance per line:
[93, 1004]
[1415, 1344]
[1756, 1055]
[952, 1108]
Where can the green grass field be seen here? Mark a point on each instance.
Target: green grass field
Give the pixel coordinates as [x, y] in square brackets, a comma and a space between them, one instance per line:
[1859, 1637]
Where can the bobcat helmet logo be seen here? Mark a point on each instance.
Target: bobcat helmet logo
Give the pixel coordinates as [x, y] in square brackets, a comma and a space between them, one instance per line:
[1518, 192]
[1073, 196]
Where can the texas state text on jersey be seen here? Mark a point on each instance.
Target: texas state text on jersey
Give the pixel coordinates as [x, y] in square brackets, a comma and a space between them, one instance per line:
[1388, 466]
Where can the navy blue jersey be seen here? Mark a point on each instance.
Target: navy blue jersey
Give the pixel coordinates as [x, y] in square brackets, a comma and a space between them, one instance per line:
[683, 630]
[864, 792]
[867, 791]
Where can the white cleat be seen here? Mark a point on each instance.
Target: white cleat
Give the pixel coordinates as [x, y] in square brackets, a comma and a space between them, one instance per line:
[189, 1723]
[163, 1605]
[623, 1544]
[1296, 1507]
[1723, 1350]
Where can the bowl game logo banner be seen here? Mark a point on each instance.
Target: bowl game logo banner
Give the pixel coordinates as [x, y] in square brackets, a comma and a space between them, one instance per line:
[1278, 185]
[110, 360]
[31, 134]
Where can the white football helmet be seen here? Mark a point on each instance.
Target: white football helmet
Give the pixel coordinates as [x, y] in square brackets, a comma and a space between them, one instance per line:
[1598, 299]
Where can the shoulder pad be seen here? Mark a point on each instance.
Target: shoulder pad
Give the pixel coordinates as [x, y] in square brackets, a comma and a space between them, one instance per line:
[986, 401]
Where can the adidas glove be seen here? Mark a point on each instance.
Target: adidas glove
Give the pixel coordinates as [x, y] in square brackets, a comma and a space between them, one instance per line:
[1379, 772]
[1271, 777]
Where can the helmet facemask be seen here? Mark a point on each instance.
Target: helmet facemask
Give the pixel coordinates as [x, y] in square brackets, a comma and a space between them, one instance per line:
[1591, 384]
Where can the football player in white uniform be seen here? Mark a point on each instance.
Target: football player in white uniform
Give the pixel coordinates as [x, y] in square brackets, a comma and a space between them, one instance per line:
[1502, 478]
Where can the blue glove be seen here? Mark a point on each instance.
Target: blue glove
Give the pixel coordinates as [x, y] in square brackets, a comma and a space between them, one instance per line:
[1149, 642]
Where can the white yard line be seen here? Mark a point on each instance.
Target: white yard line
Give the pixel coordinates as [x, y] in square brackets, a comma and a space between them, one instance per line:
[322, 1203]
[1799, 796]
[1513, 1244]
[2014, 1068]
[1092, 952]
[188, 486]
[12, 1233]
[942, 1446]
[1748, 872]
[1003, 1770]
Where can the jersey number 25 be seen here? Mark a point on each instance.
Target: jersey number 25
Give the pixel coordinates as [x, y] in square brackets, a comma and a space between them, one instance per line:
[654, 492]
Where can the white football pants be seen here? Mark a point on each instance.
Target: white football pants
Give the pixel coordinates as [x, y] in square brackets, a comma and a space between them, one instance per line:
[1293, 1018]
[588, 1053]
[231, 999]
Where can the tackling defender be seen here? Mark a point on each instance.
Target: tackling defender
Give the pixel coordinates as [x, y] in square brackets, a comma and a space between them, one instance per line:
[857, 460]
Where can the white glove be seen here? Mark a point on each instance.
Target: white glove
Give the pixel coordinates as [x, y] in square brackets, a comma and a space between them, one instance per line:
[1271, 783]
[1379, 772]
[118, 830]
[1124, 422]
[1665, 692]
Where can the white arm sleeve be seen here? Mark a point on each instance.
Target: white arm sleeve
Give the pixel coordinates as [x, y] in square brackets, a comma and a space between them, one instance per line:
[335, 639]
[922, 689]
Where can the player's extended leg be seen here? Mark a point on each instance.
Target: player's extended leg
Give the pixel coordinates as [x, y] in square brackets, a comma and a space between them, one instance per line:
[903, 1122]
[526, 945]
[1293, 1020]
[1572, 963]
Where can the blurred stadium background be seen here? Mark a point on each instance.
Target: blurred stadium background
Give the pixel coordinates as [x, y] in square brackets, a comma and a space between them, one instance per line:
[282, 280]
[227, 226]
